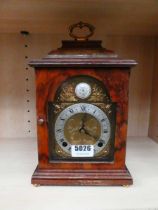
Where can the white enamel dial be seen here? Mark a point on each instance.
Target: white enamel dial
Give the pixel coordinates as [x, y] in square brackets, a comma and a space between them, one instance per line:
[86, 122]
[83, 90]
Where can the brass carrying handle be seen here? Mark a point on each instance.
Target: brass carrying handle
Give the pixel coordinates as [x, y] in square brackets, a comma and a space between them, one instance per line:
[81, 25]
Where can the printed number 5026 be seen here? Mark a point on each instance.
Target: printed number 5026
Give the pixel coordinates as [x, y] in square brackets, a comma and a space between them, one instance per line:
[83, 148]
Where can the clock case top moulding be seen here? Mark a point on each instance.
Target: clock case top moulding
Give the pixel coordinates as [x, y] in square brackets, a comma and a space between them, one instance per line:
[78, 54]
[82, 57]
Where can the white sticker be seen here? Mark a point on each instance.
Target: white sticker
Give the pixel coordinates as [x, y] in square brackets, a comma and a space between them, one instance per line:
[82, 150]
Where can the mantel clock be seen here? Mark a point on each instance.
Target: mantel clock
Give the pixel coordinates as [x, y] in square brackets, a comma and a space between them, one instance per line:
[82, 113]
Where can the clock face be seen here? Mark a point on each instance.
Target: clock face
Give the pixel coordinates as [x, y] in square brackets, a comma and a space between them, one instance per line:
[82, 124]
[82, 116]
[83, 90]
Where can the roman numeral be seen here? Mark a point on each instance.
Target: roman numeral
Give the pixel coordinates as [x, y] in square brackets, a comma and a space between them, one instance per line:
[71, 110]
[94, 112]
[102, 141]
[105, 131]
[61, 140]
[83, 108]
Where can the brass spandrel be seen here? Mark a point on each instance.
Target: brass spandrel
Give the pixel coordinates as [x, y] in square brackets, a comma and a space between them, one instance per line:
[67, 92]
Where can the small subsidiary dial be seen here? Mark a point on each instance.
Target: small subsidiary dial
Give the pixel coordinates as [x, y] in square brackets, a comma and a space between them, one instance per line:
[83, 90]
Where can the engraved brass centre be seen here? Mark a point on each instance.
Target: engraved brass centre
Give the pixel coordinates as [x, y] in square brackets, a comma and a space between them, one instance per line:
[82, 128]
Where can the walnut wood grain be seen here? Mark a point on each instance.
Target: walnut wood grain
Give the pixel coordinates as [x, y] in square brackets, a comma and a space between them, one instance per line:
[116, 82]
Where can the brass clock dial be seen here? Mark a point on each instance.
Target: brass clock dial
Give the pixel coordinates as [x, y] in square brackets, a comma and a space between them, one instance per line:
[82, 116]
[82, 124]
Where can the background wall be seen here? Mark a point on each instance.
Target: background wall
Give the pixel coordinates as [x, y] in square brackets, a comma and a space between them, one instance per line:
[17, 90]
[153, 126]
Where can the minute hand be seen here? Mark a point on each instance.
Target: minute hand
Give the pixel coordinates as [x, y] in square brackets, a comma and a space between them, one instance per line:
[83, 122]
[93, 136]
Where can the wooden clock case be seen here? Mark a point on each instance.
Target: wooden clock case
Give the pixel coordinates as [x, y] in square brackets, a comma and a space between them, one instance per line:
[82, 57]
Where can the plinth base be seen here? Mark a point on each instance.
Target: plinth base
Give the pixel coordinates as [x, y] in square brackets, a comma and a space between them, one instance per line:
[115, 177]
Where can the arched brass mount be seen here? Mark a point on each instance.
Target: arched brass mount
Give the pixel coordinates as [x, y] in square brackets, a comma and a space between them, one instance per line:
[81, 25]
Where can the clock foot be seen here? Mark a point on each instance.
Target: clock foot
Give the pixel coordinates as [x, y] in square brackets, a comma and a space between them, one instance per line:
[36, 185]
[126, 185]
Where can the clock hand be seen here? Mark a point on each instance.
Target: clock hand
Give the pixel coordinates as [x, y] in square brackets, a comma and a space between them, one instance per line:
[84, 119]
[83, 130]
[83, 122]
[86, 132]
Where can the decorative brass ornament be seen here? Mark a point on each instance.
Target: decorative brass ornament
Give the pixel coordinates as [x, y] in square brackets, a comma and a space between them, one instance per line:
[81, 25]
[67, 91]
